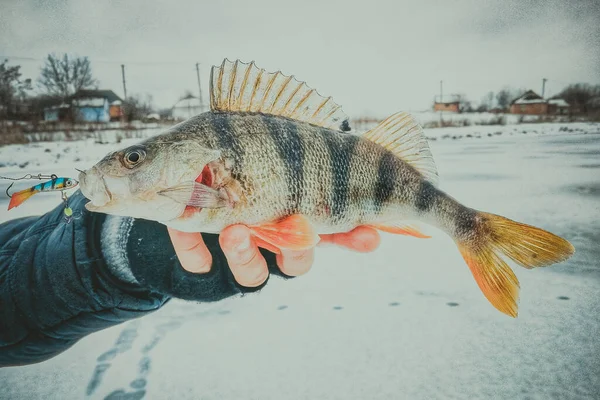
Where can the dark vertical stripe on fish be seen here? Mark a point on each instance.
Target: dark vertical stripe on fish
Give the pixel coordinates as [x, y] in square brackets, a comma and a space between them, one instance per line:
[221, 124]
[289, 146]
[387, 177]
[341, 149]
[425, 196]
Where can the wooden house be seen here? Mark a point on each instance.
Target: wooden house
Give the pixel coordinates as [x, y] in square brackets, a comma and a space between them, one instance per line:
[448, 103]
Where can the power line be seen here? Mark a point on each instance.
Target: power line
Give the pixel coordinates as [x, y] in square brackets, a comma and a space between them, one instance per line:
[20, 58]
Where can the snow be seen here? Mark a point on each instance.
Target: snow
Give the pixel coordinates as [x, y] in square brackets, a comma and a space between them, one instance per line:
[407, 321]
[62, 105]
[529, 101]
[435, 119]
[90, 102]
[558, 102]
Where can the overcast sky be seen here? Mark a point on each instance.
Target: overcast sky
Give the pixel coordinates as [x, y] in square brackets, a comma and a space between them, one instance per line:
[374, 57]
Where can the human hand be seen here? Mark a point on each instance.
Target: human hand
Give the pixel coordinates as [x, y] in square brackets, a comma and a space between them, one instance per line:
[247, 264]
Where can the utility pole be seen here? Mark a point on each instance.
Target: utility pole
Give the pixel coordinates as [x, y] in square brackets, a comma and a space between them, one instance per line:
[124, 94]
[543, 86]
[441, 100]
[124, 85]
[199, 87]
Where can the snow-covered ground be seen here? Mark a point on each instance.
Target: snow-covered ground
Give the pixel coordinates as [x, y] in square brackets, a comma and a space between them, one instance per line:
[407, 321]
[431, 119]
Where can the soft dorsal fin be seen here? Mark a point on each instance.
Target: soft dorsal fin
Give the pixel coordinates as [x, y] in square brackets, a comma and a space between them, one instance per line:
[241, 87]
[402, 135]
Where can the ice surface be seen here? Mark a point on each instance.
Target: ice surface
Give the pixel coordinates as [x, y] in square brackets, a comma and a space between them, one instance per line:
[407, 321]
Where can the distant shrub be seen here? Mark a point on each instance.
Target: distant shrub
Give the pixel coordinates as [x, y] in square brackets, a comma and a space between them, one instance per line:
[496, 120]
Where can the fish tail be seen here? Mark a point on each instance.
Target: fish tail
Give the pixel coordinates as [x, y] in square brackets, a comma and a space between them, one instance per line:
[19, 197]
[492, 237]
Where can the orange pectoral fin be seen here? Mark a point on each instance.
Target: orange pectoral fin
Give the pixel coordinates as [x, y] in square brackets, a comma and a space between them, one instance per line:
[18, 198]
[400, 229]
[294, 233]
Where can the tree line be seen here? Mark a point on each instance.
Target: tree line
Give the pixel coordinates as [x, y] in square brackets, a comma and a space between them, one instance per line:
[580, 95]
[60, 78]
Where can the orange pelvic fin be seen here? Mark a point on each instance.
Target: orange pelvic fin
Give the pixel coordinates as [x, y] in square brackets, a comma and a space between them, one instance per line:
[294, 233]
[19, 197]
[402, 229]
[266, 245]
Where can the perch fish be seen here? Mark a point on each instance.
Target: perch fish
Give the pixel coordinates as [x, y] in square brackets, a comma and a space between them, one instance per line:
[275, 155]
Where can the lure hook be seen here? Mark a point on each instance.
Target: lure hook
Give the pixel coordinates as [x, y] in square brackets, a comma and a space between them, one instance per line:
[8, 188]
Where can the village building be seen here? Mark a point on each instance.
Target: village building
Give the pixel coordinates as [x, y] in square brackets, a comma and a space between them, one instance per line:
[531, 103]
[558, 107]
[57, 112]
[450, 103]
[87, 106]
[186, 108]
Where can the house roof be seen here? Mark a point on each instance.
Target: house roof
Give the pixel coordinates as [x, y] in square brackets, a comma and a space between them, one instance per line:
[529, 97]
[447, 98]
[90, 94]
[89, 102]
[187, 102]
[558, 102]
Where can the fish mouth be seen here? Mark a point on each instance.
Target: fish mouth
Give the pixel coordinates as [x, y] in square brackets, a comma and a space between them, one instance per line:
[93, 186]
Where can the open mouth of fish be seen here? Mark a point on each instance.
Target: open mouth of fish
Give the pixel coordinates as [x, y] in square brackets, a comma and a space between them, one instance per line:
[93, 186]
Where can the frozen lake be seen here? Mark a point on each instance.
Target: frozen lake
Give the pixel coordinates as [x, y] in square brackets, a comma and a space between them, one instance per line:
[407, 321]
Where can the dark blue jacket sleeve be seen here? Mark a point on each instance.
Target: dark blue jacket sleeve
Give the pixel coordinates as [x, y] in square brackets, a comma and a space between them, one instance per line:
[60, 281]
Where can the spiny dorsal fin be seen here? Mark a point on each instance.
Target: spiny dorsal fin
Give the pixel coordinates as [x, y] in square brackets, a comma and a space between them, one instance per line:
[402, 135]
[241, 87]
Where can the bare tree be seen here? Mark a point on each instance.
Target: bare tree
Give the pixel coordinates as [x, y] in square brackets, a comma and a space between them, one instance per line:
[136, 108]
[65, 76]
[579, 95]
[464, 105]
[12, 88]
[504, 98]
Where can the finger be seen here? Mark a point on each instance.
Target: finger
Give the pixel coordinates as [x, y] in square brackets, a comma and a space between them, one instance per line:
[362, 239]
[295, 263]
[248, 266]
[191, 251]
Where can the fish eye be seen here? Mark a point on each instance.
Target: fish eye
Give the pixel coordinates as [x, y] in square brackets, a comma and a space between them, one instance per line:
[133, 157]
[69, 183]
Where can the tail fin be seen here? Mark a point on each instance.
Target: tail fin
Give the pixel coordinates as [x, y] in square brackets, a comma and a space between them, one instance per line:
[19, 197]
[527, 245]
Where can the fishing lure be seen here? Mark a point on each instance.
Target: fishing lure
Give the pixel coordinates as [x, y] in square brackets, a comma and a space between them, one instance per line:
[53, 185]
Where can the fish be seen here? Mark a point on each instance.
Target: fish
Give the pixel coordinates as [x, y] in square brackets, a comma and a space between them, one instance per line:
[53, 185]
[276, 156]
